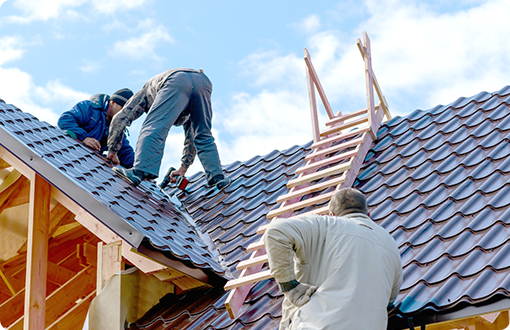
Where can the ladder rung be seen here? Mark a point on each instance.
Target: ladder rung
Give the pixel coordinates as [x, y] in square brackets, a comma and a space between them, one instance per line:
[326, 161]
[322, 211]
[338, 137]
[319, 175]
[339, 119]
[311, 189]
[257, 277]
[255, 246]
[300, 205]
[252, 262]
[339, 128]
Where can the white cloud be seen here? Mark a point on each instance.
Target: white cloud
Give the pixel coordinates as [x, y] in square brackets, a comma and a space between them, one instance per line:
[90, 67]
[10, 49]
[43, 10]
[142, 46]
[310, 24]
[421, 58]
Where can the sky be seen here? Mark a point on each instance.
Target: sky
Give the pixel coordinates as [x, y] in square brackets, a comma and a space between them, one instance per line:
[55, 53]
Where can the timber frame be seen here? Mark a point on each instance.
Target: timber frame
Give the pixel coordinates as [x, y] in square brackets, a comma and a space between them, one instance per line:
[64, 245]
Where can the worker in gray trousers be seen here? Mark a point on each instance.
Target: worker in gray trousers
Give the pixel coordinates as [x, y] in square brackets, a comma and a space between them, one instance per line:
[178, 96]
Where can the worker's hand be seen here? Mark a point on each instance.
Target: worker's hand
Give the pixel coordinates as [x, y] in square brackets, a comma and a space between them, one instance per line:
[113, 157]
[92, 143]
[300, 295]
[180, 172]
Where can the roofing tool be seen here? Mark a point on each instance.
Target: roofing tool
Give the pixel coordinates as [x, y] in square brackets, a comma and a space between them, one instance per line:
[181, 183]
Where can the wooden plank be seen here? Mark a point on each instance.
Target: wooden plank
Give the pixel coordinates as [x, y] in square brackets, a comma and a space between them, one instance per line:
[168, 275]
[315, 78]
[237, 296]
[311, 189]
[145, 264]
[4, 164]
[327, 161]
[339, 119]
[252, 262]
[369, 85]
[37, 255]
[65, 297]
[75, 317]
[58, 274]
[345, 125]
[15, 162]
[255, 246]
[322, 211]
[335, 138]
[313, 107]
[384, 104]
[10, 187]
[249, 279]
[187, 283]
[320, 174]
[12, 309]
[109, 262]
[95, 226]
[7, 283]
[300, 205]
[20, 197]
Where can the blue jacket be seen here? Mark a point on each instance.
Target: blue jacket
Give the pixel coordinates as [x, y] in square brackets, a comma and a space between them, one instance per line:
[88, 119]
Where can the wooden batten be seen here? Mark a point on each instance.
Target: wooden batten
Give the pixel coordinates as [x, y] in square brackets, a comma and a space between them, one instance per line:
[492, 321]
[109, 262]
[315, 78]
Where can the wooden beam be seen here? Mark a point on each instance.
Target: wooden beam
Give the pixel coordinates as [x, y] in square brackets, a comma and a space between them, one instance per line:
[96, 227]
[313, 106]
[75, 317]
[65, 297]
[22, 196]
[252, 262]
[249, 279]
[58, 274]
[9, 187]
[16, 163]
[109, 262]
[344, 126]
[4, 164]
[237, 296]
[339, 119]
[12, 309]
[327, 161]
[37, 256]
[476, 322]
[335, 138]
[186, 283]
[369, 85]
[315, 78]
[87, 254]
[382, 99]
[142, 262]
[311, 189]
[320, 174]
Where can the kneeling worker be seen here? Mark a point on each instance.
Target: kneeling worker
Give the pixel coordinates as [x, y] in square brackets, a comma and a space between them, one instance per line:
[337, 272]
[169, 99]
[89, 122]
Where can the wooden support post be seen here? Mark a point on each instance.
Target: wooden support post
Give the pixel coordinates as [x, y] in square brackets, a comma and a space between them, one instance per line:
[313, 107]
[109, 262]
[315, 78]
[37, 253]
[370, 85]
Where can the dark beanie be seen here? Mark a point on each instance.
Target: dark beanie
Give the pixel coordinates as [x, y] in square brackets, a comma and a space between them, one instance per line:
[122, 96]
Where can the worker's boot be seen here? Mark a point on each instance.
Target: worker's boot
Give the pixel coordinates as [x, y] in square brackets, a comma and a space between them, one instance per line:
[133, 175]
[220, 181]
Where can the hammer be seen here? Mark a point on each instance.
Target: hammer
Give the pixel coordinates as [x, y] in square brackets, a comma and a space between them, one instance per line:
[181, 183]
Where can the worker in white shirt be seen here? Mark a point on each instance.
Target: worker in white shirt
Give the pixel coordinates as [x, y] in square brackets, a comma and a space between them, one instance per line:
[337, 272]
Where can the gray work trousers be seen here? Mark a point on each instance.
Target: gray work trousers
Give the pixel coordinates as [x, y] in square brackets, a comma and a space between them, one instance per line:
[182, 91]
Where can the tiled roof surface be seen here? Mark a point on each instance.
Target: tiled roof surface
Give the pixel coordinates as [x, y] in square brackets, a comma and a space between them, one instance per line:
[435, 179]
[144, 207]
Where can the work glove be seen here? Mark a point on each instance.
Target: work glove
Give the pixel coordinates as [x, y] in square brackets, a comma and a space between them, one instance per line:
[300, 295]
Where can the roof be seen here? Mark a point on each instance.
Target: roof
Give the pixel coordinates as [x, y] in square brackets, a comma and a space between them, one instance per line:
[435, 179]
[136, 214]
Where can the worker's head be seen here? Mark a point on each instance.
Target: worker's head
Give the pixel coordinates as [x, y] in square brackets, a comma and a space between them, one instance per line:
[117, 101]
[347, 201]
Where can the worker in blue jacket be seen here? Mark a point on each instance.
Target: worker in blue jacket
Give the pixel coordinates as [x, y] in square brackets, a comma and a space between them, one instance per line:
[89, 121]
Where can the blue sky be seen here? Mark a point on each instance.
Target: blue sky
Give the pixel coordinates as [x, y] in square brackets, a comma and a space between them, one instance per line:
[55, 53]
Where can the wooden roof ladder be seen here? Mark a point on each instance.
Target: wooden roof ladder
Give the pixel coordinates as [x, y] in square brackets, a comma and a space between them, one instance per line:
[338, 153]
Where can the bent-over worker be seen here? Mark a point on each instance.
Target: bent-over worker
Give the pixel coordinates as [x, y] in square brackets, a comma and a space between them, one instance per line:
[337, 272]
[174, 97]
[89, 122]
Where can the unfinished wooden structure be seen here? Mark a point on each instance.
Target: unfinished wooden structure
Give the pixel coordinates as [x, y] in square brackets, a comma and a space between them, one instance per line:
[338, 152]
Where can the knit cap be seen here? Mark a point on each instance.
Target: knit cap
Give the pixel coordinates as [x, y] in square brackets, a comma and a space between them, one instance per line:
[122, 96]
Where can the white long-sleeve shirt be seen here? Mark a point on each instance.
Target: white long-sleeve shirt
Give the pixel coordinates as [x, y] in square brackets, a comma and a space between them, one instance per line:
[354, 262]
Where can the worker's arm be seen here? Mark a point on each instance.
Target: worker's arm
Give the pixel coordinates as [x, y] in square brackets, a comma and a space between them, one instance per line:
[73, 119]
[131, 111]
[126, 154]
[190, 151]
[284, 239]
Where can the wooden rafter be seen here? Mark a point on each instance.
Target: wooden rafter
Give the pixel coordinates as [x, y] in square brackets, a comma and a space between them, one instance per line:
[347, 139]
[10, 187]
